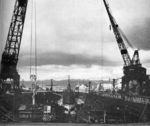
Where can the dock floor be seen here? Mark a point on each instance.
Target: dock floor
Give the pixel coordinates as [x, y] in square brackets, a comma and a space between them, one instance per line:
[71, 124]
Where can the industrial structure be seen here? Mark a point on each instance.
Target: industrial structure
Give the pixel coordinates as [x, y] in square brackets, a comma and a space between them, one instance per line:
[133, 70]
[132, 101]
[11, 52]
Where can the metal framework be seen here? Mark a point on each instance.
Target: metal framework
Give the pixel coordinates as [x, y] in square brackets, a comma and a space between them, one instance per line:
[120, 42]
[136, 58]
[133, 71]
[12, 47]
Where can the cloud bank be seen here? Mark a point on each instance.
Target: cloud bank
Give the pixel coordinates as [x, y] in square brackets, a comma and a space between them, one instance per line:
[76, 32]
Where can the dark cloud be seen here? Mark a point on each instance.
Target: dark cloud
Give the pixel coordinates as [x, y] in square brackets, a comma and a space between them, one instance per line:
[140, 35]
[67, 59]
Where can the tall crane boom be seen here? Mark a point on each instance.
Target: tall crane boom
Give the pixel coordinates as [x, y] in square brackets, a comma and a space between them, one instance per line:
[133, 71]
[120, 42]
[11, 52]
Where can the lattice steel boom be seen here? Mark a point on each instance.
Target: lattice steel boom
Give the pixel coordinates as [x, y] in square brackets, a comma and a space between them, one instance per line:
[120, 42]
[12, 47]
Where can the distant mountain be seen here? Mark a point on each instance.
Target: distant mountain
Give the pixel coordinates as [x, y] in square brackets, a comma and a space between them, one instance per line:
[63, 83]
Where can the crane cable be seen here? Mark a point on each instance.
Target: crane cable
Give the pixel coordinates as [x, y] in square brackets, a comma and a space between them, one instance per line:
[31, 38]
[1, 43]
[126, 39]
[35, 42]
[101, 48]
[35, 39]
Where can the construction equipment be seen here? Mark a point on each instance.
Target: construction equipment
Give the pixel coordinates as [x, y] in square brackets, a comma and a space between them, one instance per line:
[134, 74]
[11, 52]
[120, 42]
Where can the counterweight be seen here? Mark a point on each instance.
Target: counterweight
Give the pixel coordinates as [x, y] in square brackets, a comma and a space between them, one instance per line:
[12, 47]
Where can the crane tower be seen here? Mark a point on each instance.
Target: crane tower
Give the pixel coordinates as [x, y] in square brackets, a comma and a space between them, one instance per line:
[135, 79]
[11, 52]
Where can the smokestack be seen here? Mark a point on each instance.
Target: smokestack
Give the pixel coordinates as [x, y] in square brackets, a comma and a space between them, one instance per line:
[69, 86]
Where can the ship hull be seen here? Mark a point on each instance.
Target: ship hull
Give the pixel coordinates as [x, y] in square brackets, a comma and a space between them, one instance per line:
[131, 108]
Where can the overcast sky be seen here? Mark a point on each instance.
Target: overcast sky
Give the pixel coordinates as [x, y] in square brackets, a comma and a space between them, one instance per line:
[73, 37]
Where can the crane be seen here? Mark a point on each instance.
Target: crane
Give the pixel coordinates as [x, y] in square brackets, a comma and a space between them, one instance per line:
[11, 52]
[120, 42]
[133, 71]
[123, 49]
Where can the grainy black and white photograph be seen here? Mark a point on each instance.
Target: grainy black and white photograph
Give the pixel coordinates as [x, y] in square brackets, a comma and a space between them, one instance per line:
[75, 62]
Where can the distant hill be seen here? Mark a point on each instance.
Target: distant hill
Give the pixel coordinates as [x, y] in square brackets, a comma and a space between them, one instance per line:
[63, 83]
